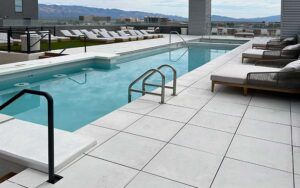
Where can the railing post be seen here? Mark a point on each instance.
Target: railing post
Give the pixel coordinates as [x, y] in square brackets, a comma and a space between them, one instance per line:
[9, 33]
[49, 41]
[28, 42]
[84, 44]
[51, 140]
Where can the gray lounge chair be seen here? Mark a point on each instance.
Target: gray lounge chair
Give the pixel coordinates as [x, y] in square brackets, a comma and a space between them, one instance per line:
[133, 33]
[106, 35]
[67, 33]
[289, 52]
[275, 44]
[93, 37]
[286, 80]
[141, 34]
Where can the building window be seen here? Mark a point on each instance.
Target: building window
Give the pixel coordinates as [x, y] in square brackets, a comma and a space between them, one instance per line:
[19, 5]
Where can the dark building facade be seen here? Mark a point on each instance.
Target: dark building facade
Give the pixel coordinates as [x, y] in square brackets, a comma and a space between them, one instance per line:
[19, 9]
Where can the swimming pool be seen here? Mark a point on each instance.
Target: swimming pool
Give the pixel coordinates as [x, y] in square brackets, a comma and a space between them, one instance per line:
[87, 90]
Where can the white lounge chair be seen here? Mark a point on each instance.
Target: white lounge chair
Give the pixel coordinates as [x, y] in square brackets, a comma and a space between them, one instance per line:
[214, 31]
[67, 33]
[93, 37]
[133, 33]
[96, 31]
[3, 39]
[144, 32]
[116, 35]
[139, 33]
[77, 32]
[45, 34]
[106, 35]
[123, 34]
[264, 32]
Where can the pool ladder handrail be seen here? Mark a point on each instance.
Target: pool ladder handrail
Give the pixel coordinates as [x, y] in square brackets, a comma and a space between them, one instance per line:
[148, 74]
[53, 178]
[176, 32]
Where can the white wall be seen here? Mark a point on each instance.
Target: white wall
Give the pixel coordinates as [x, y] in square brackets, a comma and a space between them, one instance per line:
[12, 57]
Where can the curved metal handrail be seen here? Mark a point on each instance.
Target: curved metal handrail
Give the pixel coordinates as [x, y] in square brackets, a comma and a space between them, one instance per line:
[155, 85]
[175, 32]
[163, 84]
[53, 178]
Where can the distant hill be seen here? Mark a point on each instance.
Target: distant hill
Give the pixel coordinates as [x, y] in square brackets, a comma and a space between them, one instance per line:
[73, 12]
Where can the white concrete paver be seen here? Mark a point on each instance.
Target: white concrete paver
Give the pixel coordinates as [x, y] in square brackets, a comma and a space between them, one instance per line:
[144, 180]
[216, 121]
[29, 178]
[118, 120]
[129, 150]
[265, 130]
[270, 115]
[236, 174]
[140, 106]
[174, 113]
[8, 184]
[261, 152]
[90, 172]
[185, 165]
[226, 108]
[204, 139]
[155, 128]
[4, 118]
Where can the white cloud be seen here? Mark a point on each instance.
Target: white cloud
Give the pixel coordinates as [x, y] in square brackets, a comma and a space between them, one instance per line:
[235, 8]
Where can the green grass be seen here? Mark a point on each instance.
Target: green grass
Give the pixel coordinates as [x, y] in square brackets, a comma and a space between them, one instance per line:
[55, 45]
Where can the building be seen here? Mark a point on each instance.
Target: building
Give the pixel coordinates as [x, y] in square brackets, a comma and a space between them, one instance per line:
[19, 9]
[199, 17]
[156, 20]
[95, 19]
[290, 16]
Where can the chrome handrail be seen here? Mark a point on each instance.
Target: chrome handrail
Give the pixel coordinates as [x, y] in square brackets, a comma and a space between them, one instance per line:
[175, 32]
[163, 85]
[156, 85]
[170, 56]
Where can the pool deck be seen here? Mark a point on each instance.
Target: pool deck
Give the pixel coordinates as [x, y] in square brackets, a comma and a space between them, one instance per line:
[197, 139]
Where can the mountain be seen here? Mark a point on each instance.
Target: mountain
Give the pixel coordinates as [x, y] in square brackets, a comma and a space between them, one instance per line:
[73, 12]
[262, 19]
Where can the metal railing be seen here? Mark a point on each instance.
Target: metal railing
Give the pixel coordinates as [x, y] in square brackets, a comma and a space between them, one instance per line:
[163, 86]
[176, 60]
[53, 178]
[175, 32]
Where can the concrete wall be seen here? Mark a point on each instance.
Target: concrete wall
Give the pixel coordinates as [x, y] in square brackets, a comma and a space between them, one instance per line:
[12, 57]
[30, 9]
[290, 17]
[199, 17]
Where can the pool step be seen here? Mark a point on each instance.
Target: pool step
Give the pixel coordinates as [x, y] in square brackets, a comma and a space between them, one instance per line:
[50, 54]
[7, 176]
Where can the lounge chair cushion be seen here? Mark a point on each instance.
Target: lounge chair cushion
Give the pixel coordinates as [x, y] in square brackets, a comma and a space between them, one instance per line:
[253, 53]
[291, 50]
[291, 67]
[289, 39]
[237, 74]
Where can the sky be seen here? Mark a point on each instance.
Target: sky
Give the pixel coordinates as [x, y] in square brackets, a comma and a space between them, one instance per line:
[231, 8]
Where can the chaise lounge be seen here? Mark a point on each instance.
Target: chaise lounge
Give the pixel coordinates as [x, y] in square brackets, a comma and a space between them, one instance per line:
[286, 79]
[275, 44]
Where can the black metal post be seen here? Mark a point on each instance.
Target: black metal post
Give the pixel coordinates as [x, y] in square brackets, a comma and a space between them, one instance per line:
[9, 33]
[28, 42]
[49, 41]
[84, 44]
[54, 30]
[53, 178]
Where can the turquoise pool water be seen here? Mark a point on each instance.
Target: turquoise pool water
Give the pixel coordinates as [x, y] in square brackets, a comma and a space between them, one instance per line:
[83, 95]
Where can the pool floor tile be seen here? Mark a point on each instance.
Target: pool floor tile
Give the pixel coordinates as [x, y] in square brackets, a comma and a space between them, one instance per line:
[270, 115]
[174, 113]
[155, 128]
[265, 130]
[216, 121]
[204, 139]
[296, 119]
[145, 180]
[185, 165]
[118, 120]
[261, 152]
[272, 102]
[296, 136]
[186, 100]
[129, 150]
[297, 160]
[237, 174]
[90, 172]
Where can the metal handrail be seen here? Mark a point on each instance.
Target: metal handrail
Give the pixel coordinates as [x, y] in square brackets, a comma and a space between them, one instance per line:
[53, 178]
[156, 85]
[175, 32]
[163, 85]
[80, 83]
[43, 35]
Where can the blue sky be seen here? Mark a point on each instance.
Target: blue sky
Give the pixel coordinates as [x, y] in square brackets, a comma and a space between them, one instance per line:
[232, 8]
